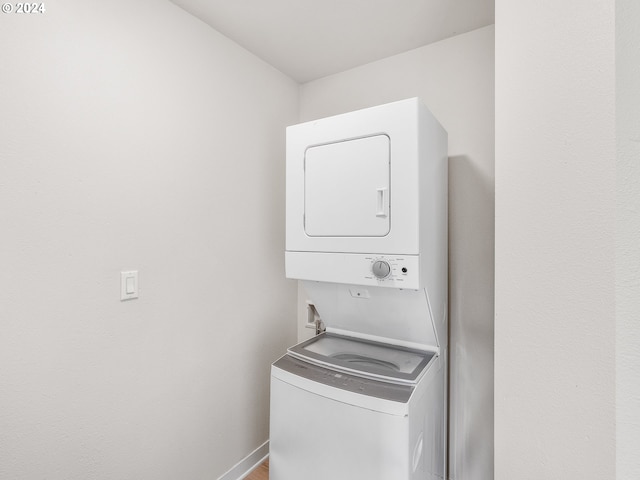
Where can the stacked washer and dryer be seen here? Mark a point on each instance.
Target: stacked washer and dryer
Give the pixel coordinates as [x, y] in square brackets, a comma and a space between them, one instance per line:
[366, 233]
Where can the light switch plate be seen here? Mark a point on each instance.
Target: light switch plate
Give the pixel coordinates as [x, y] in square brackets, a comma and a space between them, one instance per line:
[129, 285]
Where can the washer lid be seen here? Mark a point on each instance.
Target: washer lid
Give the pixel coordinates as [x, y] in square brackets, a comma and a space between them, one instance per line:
[364, 357]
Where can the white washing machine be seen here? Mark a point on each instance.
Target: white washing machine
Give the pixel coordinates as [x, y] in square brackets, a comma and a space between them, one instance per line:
[346, 409]
[367, 235]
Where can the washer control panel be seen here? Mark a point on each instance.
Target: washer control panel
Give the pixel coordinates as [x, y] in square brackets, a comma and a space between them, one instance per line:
[345, 381]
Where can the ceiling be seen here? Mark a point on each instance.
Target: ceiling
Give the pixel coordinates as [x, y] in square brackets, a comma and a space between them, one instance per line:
[309, 39]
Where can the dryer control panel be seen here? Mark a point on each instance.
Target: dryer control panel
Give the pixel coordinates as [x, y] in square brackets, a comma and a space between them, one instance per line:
[393, 268]
[381, 269]
[394, 271]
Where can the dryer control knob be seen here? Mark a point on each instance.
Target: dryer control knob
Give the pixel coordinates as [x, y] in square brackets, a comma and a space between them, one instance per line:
[381, 269]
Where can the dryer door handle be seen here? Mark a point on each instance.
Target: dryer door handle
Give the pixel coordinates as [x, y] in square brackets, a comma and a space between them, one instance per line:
[382, 202]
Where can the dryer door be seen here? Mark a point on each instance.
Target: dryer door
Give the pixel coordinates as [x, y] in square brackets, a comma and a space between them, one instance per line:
[347, 188]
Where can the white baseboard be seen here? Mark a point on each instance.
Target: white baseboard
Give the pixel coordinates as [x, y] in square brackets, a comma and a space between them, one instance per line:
[245, 466]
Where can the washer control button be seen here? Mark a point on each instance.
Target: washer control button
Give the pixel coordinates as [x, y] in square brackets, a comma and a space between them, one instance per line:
[381, 269]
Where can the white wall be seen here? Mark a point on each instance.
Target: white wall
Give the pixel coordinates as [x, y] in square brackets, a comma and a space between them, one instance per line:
[133, 136]
[555, 222]
[455, 79]
[627, 245]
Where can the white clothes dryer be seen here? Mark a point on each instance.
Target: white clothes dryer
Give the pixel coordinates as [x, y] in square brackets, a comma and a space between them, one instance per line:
[366, 234]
